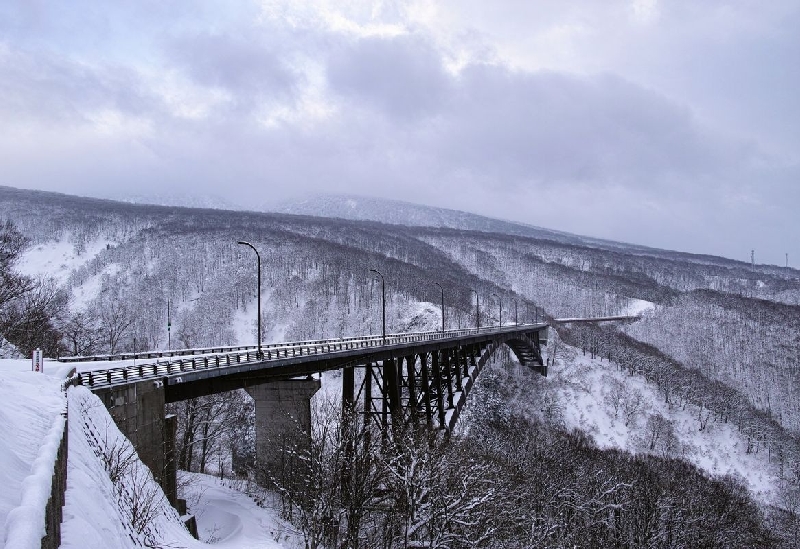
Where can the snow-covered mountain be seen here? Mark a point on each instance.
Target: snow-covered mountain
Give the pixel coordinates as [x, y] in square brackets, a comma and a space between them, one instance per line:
[205, 201]
[715, 351]
[397, 212]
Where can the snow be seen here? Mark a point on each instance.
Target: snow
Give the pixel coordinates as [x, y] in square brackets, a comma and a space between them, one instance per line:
[95, 513]
[637, 307]
[230, 519]
[418, 317]
[25, 524]
[30, 432]
[584, 386]
[84, 293]
[94, 517]
[31, 425]
[58, 258]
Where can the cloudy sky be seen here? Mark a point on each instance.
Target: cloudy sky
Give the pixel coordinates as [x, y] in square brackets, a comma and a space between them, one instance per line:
[671, 123]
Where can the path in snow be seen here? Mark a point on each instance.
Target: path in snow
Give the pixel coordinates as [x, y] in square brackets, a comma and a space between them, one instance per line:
[232, 520]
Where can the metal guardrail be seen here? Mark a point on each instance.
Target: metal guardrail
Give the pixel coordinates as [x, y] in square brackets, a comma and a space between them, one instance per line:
[219, 349]
[276, 351]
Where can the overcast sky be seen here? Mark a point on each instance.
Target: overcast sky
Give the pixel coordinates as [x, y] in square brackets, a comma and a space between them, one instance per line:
[674, 123]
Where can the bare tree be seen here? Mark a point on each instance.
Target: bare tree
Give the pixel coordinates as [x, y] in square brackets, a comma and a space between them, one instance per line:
[115, 320]
[81, 334]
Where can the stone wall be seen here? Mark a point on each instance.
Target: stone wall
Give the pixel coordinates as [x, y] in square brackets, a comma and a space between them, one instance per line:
[55, 504]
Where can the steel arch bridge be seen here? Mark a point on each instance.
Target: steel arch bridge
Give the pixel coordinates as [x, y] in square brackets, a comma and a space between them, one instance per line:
[420, 378]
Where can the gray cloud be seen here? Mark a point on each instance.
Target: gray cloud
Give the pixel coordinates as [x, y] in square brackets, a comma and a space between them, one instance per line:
[651, 144]
[403, 77]
[247, 66]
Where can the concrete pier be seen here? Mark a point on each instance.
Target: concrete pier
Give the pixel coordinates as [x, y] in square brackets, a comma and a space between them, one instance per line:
[138, 411]
[283, 424]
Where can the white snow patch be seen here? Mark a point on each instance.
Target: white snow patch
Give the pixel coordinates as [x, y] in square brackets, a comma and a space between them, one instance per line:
[90, 289]
[58, 258]
[417, 317]
[637, 307]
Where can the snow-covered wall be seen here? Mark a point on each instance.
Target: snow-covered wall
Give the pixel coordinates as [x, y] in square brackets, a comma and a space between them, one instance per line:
[31, 435]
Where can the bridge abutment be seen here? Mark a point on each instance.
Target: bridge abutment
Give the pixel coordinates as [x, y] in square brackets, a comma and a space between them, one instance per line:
[283, 424]
[138, 411]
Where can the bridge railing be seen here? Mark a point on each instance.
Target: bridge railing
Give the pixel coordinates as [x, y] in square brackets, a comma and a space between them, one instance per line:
[245, 348]
[274, 351]
[208, 350]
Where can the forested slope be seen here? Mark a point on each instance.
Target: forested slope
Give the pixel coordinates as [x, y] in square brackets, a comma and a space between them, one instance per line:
[718, 337]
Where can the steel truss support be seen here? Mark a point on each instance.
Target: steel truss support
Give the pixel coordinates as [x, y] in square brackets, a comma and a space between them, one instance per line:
[427, 388]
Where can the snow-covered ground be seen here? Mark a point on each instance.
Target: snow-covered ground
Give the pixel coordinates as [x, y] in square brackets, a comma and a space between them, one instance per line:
[98, 515]
[587, 390]
[95, 516]
[637, 307]
[228, 518]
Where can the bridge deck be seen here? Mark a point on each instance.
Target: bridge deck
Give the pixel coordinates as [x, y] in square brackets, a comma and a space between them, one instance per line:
[207, 373]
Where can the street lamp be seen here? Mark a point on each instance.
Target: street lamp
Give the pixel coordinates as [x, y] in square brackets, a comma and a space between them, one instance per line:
[477, 310]
[442, 289]
[259, 354]
[516, 318]
[383, 301]
[501, 308]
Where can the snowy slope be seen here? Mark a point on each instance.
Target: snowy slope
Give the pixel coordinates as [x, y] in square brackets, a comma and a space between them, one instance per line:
[397, 212]
[587, 391]
[58, 258]
[230, 519]
[98, 515]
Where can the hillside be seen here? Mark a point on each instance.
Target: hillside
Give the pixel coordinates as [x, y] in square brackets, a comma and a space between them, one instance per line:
[716, 346]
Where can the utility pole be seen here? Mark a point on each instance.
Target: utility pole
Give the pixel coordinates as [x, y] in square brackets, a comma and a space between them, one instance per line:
[169, 325]
[752, 260]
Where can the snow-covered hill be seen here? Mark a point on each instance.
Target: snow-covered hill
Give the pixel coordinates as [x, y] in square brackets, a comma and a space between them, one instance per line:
[397, 212]
[627, 412]
[125, 267]
[203, 201]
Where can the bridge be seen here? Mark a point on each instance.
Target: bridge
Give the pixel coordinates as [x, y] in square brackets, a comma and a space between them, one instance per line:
[414, 379]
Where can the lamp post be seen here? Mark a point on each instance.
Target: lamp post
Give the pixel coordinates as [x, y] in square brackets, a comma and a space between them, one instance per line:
[383, 302]
[501, 308]
[442, 289]
[516, 318]
[477, 310]
[259, 354]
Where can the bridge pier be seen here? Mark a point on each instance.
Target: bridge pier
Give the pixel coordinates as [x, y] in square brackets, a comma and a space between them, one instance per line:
[138, 411]
[283, 423]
